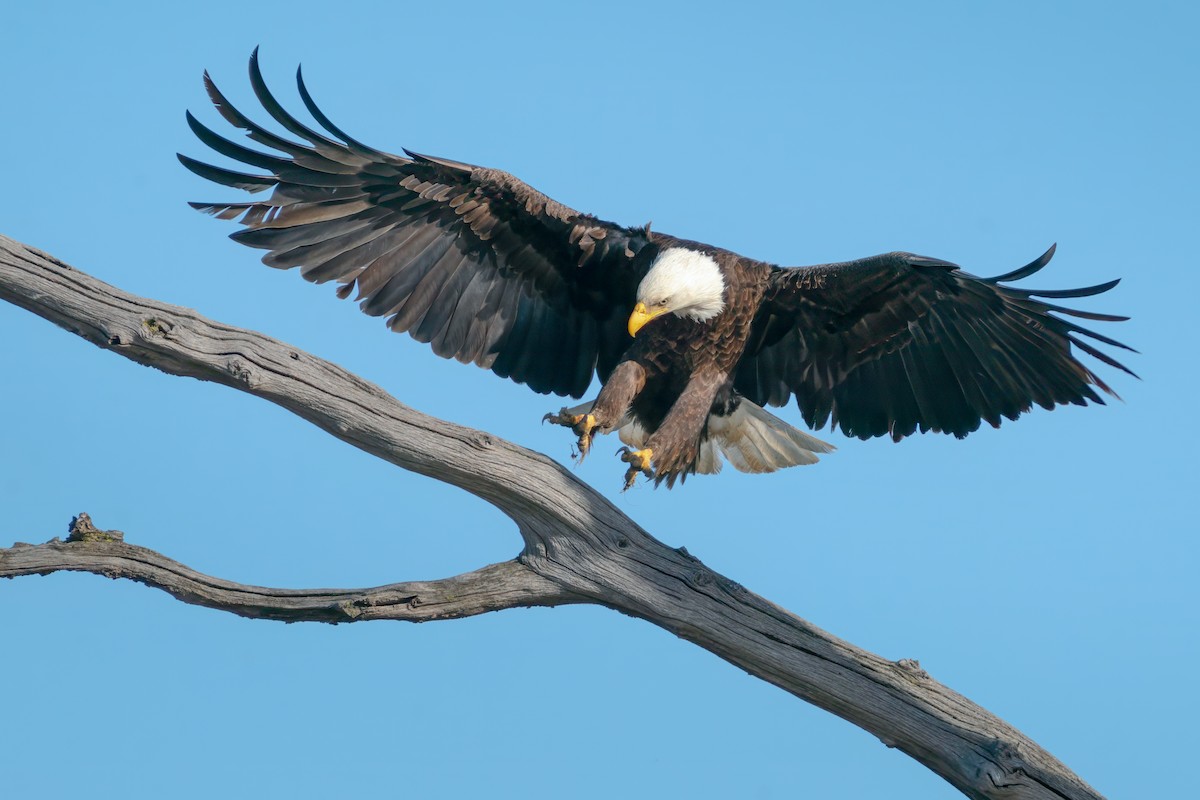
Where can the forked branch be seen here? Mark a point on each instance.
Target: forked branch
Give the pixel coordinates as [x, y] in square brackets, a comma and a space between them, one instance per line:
[578, 546]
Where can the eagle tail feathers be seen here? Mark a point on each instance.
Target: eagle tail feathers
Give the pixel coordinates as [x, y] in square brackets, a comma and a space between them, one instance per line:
[753, 439]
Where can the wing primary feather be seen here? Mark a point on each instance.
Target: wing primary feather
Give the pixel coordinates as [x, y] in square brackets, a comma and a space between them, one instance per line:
[228, 177]
[1100, 338]
[326, 123]
[1086, 291]
[1095, 352]
[284, 240]
[1074, 312]
[290, 194]
[1025, 271]
[1027, 351]
[323, 211]
[257, 133]
[278, 112]
[226, 210]
[1054, 376]
[235, 151]
[1037, 309]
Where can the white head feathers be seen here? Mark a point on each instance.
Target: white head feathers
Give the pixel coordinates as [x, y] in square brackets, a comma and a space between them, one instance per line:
[683, 282]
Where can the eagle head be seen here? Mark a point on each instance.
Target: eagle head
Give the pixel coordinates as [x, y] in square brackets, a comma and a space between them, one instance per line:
[683, 282]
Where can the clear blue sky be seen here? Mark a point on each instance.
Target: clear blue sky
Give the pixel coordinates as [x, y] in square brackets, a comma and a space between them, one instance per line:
[1046, 570]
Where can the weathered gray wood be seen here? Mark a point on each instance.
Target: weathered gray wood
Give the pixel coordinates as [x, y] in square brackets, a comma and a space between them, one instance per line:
[578, 546]
[510, 584]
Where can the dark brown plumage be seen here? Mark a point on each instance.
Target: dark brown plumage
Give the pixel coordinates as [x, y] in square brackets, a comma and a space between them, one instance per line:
[490, 271]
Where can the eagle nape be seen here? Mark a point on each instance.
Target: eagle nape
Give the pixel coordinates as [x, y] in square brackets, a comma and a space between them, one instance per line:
[690, 342]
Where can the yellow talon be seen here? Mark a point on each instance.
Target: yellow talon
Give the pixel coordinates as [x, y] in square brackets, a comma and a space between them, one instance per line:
[584, 426]
[638, 461]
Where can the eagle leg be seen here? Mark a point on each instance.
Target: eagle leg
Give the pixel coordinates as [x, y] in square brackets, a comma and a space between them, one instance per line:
[638, 461]
[584, 426]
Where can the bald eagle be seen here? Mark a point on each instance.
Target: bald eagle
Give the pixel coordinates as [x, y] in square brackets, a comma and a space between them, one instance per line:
[690, 341]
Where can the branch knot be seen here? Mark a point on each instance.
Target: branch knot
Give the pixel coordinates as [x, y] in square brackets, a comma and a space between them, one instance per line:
[153, 326]
[241, 372]
[82, 529]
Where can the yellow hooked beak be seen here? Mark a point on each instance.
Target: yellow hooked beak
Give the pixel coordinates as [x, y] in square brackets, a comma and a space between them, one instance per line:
[641, 316]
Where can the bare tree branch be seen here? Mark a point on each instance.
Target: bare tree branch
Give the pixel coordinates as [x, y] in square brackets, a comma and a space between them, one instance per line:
[578, 546]
[506, 585]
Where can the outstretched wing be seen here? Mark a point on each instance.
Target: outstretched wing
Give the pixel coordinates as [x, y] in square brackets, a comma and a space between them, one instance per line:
[475, 262]
[896, 343]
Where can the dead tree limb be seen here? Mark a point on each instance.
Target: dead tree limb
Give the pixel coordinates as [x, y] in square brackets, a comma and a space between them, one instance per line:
[509, 584]
[578, 547]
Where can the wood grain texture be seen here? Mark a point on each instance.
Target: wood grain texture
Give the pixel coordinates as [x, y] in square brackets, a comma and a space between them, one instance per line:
[578, 546]
[495, 587]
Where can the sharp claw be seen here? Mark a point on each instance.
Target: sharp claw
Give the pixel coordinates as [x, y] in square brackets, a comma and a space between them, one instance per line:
[584, 444]
[584, 426]
[639, 461]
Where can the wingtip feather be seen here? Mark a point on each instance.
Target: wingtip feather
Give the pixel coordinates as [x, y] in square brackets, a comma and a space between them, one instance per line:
[227, 177]
[1027, 270]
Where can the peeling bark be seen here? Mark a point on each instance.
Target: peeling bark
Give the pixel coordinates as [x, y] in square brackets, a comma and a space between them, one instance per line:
[578, 547]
